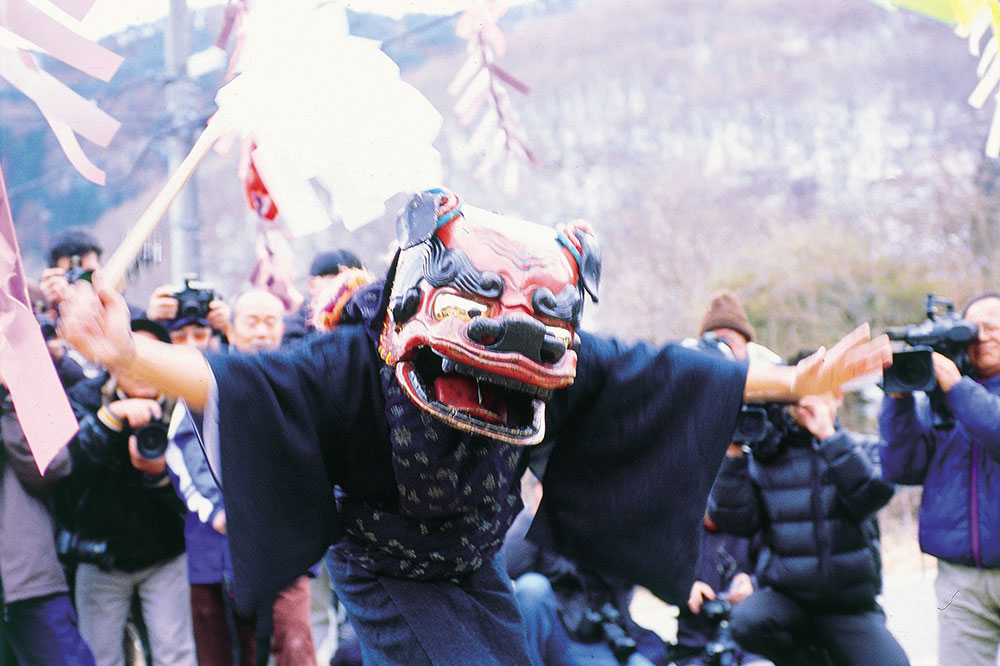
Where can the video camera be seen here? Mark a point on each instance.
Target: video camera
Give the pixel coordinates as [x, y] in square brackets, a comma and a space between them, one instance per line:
[946, 333]
[193, 299]
[760, 426]
[912, 369]
[763, 428]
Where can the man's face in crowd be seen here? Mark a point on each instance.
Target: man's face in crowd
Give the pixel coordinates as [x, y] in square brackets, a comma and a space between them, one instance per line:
[195, 335]
[735, 340]
[88, 262]
[134, 388]
[984, 354]
[258, 322]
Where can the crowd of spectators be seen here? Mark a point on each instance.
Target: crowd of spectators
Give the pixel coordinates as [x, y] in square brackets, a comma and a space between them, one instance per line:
[121, 547]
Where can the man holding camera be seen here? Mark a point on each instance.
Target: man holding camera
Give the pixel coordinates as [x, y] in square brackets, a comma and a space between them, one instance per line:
[812, 494]
[73, 253]
[959, 468]
[193, 314]
[123, 521]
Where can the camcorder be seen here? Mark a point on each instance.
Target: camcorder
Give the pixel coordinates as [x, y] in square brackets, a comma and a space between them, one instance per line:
[77, 272]
[944, 332]
[71, 548]
[761, 427]
[193, 299]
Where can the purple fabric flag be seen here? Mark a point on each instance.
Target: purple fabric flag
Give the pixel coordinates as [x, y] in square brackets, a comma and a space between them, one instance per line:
[25, 365]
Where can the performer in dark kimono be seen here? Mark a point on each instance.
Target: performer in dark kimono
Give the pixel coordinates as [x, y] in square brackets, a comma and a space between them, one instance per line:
[400, 437]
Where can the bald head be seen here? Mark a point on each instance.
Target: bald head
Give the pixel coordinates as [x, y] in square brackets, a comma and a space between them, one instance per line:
[258, 322]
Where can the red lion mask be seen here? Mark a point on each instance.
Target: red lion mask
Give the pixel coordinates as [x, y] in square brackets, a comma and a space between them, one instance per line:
[483, 313]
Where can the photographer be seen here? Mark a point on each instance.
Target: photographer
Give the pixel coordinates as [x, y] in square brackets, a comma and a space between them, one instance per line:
[959, 468]
[573, 615]
[123, 522]
[193, 314]
[725, 560]
[812, 495]
[72, 253]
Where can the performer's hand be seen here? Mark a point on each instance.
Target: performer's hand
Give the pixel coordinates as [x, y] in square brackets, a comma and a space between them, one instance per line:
[855, 355]
[740, 588]
[700, 592]
[95, 321]
[162, 304]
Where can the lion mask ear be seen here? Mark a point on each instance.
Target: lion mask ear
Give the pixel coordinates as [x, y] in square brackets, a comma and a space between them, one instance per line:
[579, 239]
[418, 220]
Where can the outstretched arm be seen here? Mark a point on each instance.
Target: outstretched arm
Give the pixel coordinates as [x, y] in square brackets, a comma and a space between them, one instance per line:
[96, 322]
[855, 355]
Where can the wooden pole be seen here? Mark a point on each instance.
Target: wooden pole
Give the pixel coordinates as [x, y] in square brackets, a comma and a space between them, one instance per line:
[126, 253]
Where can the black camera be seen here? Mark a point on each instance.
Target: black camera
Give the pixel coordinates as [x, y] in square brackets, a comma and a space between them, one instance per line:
[763, 427]
[151, 440]
[193, 299]
[77, 272]
[913, 369]
[943, 332]
[71, 548]
[605, 625]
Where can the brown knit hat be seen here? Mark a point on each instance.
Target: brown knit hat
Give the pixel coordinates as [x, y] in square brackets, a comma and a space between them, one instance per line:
[726, 311]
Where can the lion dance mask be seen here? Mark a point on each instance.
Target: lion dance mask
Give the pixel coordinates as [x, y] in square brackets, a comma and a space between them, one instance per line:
[483, 314]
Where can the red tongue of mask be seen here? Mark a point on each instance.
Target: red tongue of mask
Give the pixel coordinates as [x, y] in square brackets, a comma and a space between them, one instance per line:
[472, 397]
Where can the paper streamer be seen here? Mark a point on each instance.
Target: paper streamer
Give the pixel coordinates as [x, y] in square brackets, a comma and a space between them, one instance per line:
[25, 364]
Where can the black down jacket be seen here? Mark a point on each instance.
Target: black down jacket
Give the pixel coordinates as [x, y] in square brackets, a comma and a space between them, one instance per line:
[814, 505]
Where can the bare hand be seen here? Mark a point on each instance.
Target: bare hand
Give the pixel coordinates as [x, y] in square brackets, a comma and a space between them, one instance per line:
[136, 411]
[219, 522]
[816, 413]
[855, 355]
[150, 467]
[219, 315]
[162, 304]
[700, 592]
[946, 371]
[740, 588]
[54, 285]
[95, 321]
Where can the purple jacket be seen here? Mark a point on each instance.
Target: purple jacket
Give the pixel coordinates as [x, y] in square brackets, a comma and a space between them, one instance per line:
[959, 469]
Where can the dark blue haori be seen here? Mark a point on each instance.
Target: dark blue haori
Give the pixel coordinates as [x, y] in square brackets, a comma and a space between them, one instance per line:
[630, 454]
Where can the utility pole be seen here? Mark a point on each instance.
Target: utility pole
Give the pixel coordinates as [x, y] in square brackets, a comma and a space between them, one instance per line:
[185, 224]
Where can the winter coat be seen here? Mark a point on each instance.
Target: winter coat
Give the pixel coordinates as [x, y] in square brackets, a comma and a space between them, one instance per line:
[29, 567]
[959, 468]
[814, 505]
[107, 500]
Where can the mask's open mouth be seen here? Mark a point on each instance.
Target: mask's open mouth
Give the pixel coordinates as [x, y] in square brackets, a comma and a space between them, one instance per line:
[475, 399]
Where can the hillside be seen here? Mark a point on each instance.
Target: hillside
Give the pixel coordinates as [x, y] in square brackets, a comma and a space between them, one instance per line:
[821, 159]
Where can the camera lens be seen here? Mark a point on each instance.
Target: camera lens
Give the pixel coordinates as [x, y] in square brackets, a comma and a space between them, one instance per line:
[911, 370]
[151, 440]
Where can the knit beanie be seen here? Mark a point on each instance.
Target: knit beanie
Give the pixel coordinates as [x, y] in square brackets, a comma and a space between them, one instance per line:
[726, 311]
